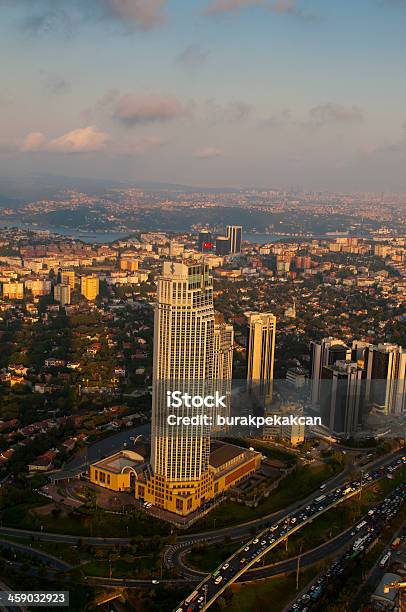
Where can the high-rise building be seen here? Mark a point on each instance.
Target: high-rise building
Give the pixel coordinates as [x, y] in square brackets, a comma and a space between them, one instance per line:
[223, 246]
[205, 241]
[89, 286]
[234, 233]
[342, 397]
[13, 291]
[261, 351]
[324, 353]
[223, 363]
[359, 351]
[385, 366]
[62, 294]
[68, 278]
[183, 360]
[223, 349]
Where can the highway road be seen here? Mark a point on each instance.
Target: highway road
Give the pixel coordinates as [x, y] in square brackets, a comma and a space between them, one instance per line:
[215, 583]
[306, 559]
[173, 554]
[366, 531]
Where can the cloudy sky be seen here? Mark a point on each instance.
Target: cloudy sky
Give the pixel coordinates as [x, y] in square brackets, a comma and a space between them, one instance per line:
[240, 93]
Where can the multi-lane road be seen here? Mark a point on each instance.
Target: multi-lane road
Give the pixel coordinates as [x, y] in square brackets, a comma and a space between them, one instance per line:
[249, 554]
[365, 533]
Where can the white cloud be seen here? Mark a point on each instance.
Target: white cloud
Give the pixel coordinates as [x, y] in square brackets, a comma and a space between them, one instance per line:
[81, 140]
[34, 141]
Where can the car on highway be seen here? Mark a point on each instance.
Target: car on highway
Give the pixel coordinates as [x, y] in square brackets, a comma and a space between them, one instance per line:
[218, 579]
[225, 566]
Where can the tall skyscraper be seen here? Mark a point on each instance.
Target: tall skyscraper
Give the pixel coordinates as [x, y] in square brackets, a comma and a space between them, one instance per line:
[223, 362]
[62, 294]
[205, 241]
[324, 353]
[342, 397]
[89, 287]
[385, 366]
[183, 360]
[261, 351]
[223, 246]
[234, 233]
[223, 348]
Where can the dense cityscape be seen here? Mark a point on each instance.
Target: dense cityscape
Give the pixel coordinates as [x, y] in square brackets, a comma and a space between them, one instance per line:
[94, 334]
[203, 305]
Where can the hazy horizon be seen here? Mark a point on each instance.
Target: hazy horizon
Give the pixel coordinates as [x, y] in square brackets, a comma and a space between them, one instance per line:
[210, 93]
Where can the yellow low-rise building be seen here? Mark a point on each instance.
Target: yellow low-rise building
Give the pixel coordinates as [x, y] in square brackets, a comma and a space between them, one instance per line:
[117, 472]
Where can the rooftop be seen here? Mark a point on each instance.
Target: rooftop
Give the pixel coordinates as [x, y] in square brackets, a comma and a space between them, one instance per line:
[221, 453]
[115, 463]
